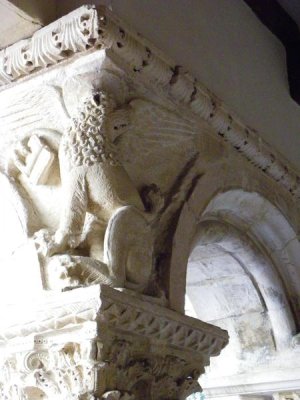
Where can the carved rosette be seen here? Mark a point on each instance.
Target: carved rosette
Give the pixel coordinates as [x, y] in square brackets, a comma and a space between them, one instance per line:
[107, 345]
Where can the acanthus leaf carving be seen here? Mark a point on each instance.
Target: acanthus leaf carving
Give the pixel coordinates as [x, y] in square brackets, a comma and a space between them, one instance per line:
[139, 374]
[113, 360]
[73, 33]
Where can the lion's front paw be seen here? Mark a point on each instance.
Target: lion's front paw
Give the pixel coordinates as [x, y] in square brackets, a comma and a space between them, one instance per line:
[60, 273]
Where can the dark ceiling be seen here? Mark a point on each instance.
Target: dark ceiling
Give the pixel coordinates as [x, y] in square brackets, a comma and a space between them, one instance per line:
[292, 7]
[282, 18]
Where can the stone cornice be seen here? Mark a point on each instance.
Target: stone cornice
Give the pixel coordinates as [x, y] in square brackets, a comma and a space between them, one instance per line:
[125, 313]
[87, 29]
[48, 312]
[73, 33]
[33, 323]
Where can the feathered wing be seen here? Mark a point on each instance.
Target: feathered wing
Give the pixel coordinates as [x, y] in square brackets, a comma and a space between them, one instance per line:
[157, 145]
[25, 112]
[41, 107]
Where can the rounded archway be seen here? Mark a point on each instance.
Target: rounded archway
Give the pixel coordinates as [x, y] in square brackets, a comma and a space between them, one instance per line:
[243, 274]
[232, 283]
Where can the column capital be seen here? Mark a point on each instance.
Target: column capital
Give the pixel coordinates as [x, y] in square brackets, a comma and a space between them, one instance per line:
[102, 342]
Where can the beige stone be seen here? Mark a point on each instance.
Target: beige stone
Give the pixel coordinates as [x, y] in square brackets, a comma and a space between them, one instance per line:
[127, 189]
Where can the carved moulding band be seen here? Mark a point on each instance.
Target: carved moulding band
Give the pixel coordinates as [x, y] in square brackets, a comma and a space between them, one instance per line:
[98, 339]
[112, 308]
[89, 29]
[126, 313]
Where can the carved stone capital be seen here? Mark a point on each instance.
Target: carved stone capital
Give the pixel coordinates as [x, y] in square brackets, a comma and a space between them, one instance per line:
[88, 30]
[106, 343]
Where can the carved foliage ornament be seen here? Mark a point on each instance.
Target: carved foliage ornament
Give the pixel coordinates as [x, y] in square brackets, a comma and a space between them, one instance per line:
[152, 353]
[73, 33]
[62, 374]
[139, 375]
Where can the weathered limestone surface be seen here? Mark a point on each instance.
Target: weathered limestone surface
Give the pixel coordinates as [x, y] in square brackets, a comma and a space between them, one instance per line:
[115, 165]
[94, 167]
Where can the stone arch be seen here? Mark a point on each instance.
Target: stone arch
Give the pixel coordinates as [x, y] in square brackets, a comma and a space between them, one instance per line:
[269, 228]
[241, 278]
[226, 193]
[255, 231]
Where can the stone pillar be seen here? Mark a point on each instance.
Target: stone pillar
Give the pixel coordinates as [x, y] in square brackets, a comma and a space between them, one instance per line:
[95, 165]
